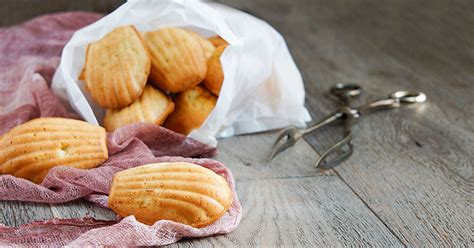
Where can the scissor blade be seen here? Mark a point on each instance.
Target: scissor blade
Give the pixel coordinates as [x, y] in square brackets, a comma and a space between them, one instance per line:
[283, 134]
[277, 150]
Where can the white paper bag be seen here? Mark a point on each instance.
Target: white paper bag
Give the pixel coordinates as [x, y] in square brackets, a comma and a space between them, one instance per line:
[262, 89]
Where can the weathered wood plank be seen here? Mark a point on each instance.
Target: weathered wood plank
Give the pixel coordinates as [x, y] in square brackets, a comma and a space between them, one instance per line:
[251, 159]
[283, 206]
[19, 213]
[312, 211]
[80, 209]
[413, 168]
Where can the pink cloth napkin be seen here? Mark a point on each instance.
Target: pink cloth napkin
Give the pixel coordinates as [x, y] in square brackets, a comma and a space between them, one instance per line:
[30, 54]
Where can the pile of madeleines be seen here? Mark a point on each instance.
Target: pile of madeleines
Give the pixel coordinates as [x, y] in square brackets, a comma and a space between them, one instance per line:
[136, 76]
[169, 77]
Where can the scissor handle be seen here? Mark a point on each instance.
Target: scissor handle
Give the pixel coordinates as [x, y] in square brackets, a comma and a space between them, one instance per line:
[327, 120]
[394, 100]
[408, 97]
[345, 90]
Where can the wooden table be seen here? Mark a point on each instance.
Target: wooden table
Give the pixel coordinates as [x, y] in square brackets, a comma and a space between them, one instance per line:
[410, 180]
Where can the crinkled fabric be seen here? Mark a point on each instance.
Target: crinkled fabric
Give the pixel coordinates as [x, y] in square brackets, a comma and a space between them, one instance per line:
[29, 56]
[88, 232]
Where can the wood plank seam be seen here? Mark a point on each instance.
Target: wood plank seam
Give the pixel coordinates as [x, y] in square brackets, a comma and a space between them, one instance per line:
[361, 199]
[371, 210]
[272, 178]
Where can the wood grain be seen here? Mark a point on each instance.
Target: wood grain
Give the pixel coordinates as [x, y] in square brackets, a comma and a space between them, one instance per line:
[251, 160]
[19, 213]
[312, 212]
[80, 209]
[412, 167]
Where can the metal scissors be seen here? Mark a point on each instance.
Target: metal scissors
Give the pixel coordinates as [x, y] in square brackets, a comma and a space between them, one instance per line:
[348, 115]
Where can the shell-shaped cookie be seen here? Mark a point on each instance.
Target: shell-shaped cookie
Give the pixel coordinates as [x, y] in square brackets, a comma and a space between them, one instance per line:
[217, 41]
[117, 68]
[178, 61]
[29, 150]
[153, 106]
[191, 109]
[215, 74]
[206, 45]
[181, 192]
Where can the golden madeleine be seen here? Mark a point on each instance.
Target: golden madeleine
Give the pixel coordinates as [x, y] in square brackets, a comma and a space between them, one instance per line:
[217, 41]
[191, 109]
[178, 61]
[153, 106]
[206, 45]
[181, 192]
[215, 74]
[82, 76]
[117, 68]
[29, 150]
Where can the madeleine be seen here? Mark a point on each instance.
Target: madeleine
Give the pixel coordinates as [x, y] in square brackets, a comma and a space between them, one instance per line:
[206, 45]
[30, 150]
[178, 61]
[215, 74]
[117, 68]
[217, 41]
[191, 109]
[153, 106]
[180, 192]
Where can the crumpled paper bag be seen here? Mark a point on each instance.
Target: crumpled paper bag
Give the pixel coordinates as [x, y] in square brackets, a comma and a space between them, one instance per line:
[262, 89]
